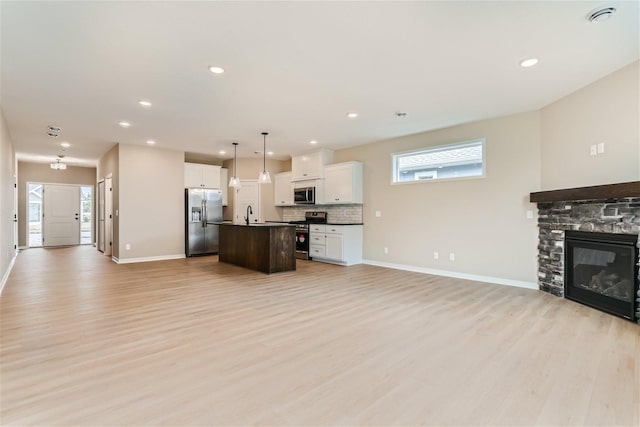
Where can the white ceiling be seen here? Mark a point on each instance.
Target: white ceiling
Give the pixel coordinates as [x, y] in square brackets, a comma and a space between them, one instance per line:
[293, 69]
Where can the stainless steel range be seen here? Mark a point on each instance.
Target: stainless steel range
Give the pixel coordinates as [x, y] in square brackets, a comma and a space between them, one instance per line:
[302, 232]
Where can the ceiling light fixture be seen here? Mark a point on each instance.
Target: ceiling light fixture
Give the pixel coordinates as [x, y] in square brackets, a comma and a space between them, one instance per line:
[264, 177]
[352, 115]
[124, 124]
[150, 141]
[57, 165]
[144, 103]
[269, 153]
[314, 142]
[529, 62]
[234, 182]
[222, 152]
[601, 15]
[65, 145]
[216, 70]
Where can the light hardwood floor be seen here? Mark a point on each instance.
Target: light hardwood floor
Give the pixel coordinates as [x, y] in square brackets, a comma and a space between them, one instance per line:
[195, 342]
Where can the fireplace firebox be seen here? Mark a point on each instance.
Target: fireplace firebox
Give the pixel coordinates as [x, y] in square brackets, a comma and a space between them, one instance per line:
[601, 271]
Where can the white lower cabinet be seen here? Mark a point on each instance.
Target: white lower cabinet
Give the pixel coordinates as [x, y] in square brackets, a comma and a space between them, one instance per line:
[337, 244]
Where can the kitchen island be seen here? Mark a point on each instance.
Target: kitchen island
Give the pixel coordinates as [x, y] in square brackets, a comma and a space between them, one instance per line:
[269, 248]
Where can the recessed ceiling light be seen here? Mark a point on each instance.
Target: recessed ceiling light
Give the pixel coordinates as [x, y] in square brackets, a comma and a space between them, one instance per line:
[601, 15]
[352, 115]
[269, 153]
[65, 145]
[124, 124]
[150, 141]
[529, 62]
[144, 103]
[222, 152]
[216, 70]
[314, 142]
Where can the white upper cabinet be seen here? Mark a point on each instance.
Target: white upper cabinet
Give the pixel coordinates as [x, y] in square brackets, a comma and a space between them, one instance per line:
[201, 176]
[343, 183]
[310, 166]
[283, 191]
[224, 185]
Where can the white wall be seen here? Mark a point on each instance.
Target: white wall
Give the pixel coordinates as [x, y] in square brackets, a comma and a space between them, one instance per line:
[151, 203]
[7, 205]
[605, 111]
[482, 221]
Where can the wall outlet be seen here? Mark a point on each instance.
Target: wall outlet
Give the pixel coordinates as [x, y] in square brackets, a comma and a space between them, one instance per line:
[594, 150]
[378, 214]
[436, 255]
[529, 214]
[127, 246]
[386, 251]
[600, 147]
[452, 256]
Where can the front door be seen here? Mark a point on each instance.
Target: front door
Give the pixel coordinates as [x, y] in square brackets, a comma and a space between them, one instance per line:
[61, 219]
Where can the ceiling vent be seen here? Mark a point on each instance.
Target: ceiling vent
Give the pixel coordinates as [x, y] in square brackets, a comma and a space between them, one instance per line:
[52, 135]
[54, 129]
[601, 15]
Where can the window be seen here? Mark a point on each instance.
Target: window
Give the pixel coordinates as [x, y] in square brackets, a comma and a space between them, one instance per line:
[464, 160]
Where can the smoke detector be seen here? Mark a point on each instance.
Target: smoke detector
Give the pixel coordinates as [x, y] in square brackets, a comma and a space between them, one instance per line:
[601, 15]
[401, 114]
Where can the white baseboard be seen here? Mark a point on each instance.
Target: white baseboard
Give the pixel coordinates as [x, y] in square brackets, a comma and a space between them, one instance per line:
[146, 259]
[445, 273]
[5, 277]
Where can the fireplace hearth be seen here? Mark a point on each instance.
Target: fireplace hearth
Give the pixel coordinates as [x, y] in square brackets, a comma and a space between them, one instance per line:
[601, 271]
[609, 211]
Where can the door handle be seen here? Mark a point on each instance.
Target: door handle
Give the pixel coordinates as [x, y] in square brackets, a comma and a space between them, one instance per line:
[204, 213]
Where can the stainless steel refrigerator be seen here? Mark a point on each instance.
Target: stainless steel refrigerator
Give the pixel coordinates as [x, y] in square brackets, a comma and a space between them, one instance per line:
[202, 216]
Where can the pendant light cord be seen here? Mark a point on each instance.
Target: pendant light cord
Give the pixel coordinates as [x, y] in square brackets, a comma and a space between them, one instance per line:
[264, 151]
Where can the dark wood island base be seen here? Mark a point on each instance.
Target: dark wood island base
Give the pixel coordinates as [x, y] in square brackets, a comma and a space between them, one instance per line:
[269, 248]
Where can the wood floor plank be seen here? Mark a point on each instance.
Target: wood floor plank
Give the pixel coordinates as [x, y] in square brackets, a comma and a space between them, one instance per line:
[85, 341]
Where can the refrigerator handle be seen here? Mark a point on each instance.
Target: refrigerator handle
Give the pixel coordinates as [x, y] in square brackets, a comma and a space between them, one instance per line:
[204, 213]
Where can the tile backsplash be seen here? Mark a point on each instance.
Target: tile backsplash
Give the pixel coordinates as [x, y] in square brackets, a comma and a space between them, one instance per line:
[336, 214]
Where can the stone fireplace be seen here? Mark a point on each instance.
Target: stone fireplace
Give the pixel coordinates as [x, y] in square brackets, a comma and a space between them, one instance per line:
[610, 209]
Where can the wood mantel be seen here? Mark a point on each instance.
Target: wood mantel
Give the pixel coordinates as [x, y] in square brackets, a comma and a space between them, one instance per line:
[597, 192]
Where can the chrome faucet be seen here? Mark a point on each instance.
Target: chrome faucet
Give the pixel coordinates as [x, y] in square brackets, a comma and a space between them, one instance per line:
[249, 212]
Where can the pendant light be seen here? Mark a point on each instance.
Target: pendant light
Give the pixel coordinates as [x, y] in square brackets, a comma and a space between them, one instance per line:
[264, 177]
[234, 181]
[57, 165]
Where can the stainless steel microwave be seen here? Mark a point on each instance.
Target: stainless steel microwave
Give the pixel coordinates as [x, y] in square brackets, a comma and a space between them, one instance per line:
[304, 196]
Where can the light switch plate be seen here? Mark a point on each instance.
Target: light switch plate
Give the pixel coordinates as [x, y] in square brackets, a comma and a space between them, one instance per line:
[594, 150]
[600, 147]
